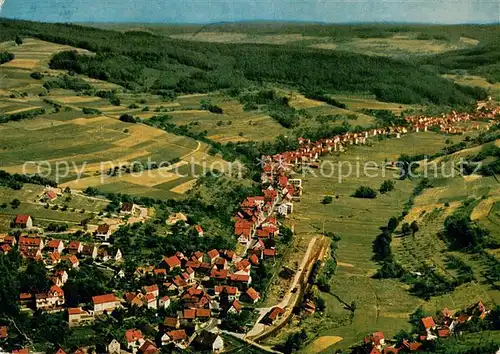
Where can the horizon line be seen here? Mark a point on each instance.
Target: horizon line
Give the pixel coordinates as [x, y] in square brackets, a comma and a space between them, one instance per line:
[262, 21]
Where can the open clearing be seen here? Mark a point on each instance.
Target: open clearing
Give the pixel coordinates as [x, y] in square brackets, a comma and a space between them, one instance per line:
[471, 80]
[322, 343]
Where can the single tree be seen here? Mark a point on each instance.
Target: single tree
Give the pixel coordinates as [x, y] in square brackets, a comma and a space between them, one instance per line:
[19, 40]
[406, 229]
[15, 203]
[414, 227]
[393, 224]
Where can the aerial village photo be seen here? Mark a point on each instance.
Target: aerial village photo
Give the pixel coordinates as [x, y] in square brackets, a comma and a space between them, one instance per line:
[246, 177]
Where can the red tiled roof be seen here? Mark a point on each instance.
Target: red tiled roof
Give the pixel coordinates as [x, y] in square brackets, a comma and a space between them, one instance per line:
[172, 261]
[54, 289]
[193, 264]
[103, 229]
[198, 229]
[29, 241]
[203, 313]
[252, 294]
[428, 322]
[213, 254]
[171, 321]
[150, 288]
[220, 261]
[72, 259]
[22, 219]
[159, 271]
[21, 351]
[189, 314]
[275, 312]
[179, 334]
[51, 194]
[254, 259]
[240, 277]
[133, 335]
[127, 207]
[102, 299]
[230, 290]
[3, 332]
[269, 252]
[219, 274]
[443, 332]
[243, 264]
[25, 296]
[53, 243]
[237, 306]
[148, 347]
[74, 245]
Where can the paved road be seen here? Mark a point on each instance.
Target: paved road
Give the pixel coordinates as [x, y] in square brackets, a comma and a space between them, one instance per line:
[258, 328]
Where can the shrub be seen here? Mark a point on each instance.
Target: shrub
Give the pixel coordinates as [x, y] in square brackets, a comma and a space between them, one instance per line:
[327, 199]
[387, 186]
[365, 192]
[36, 75]
[87, 110]
[115, 101]
[128, 118]
[133, 106]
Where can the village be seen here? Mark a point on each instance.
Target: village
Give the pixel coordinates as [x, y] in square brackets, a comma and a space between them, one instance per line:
[443, 325]
[210, 285]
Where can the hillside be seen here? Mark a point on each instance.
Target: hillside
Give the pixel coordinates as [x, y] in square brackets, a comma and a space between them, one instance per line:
[143, 61]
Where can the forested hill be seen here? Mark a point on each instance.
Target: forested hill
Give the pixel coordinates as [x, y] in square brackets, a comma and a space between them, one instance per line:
[143, 61]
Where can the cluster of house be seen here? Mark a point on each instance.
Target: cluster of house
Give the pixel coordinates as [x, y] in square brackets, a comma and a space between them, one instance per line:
[448, 123]
[207, 285]
[309, 152]
[54, 251]
[58, 256]
[440, 326]
[135, 341]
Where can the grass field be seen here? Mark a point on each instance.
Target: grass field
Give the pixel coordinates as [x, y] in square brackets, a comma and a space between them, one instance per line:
[470, 80]
[396, 45]
[383, 305]
[78, 207]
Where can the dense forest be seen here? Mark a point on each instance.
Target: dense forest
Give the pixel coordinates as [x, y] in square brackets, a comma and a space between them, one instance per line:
[144, 61]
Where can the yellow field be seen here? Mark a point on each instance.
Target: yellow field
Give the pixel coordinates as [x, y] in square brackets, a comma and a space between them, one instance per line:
[90, 121]
[482, 210]
[397, 45]
[217, 37]
[138, 135]
[322, 343]
[357, 103]
[299, 101]
[75, 99]
[22, 110]
[329, 46]
[469, 41]
[151, 178]
[184, 187]
[29, 64]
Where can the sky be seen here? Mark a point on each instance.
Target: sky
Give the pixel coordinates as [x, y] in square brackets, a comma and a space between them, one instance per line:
[210, 11]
